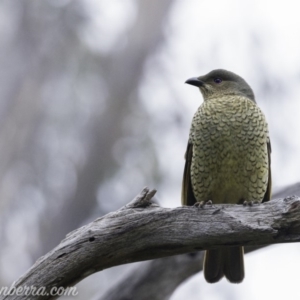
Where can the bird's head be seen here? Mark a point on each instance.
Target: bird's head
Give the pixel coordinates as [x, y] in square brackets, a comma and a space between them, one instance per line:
[219, 83]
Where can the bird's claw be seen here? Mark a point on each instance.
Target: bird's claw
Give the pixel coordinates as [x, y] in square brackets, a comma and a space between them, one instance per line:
[250, 203]
[202, 203]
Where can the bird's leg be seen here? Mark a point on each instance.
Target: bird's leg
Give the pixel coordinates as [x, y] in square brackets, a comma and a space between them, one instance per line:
[202, 203]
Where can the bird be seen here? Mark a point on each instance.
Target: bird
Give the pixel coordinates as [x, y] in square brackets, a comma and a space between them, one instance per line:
[228, 159]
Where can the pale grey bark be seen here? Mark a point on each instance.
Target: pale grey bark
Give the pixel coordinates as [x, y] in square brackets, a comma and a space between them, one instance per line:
[152, 279]
[142, 230]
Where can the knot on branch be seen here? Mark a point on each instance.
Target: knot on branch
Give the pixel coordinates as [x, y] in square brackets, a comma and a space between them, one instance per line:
[288, 224]
[294, 204]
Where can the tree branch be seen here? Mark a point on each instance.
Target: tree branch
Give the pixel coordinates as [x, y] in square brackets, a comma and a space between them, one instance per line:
[151, 280]
[142, 230]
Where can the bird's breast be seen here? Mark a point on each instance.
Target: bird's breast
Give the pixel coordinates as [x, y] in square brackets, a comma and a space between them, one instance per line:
[230, 160]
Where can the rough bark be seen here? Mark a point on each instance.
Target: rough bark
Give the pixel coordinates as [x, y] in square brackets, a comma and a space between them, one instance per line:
[152, 279]
[142, 230]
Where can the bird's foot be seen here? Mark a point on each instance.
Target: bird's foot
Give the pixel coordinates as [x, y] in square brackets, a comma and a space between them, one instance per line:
[250, 203]
[202, 203]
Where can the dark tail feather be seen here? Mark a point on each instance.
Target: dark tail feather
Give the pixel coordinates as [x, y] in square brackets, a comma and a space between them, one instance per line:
[213, 265]
[225, 261]
[234, 264]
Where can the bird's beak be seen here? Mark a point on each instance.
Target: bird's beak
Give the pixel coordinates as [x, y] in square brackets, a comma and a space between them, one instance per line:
[195, 81]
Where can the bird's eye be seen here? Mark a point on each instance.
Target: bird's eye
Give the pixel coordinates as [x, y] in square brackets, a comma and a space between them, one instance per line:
[217, 80]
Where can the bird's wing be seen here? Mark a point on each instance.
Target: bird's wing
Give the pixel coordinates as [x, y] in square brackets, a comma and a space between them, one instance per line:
[187, 194]
[267, 195]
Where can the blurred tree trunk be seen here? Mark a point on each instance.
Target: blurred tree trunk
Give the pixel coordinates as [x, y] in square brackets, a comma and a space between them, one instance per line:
[63, 108]
[122, 73]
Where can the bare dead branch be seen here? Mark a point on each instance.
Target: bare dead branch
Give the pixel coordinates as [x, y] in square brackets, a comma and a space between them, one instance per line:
[151, 280]
[142, 230]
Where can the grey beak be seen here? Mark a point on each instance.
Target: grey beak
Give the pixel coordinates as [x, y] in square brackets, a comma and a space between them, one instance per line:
[195, 81]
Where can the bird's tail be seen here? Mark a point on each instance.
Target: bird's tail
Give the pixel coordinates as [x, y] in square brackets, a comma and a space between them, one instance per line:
[228, 262]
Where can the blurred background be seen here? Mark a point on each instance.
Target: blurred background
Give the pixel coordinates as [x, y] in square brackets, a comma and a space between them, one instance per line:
[93, 107]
